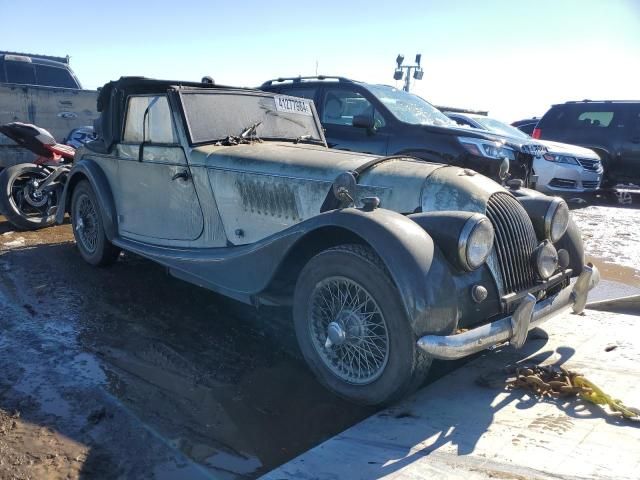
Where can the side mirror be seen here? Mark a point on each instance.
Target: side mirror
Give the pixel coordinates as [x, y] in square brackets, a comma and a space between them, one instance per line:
[363, 121]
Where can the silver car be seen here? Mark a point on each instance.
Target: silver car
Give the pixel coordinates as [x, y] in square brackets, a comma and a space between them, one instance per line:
[385, 262]
[564, 169]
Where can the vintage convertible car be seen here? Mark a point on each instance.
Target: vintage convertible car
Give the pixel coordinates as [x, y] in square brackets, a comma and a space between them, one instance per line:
[387, 262]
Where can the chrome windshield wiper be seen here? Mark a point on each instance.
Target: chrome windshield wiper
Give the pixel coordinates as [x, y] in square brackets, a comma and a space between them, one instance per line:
[308, 138]
[247, 135]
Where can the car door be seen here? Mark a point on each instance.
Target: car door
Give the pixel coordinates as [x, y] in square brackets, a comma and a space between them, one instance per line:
[339, 107]
[155, 195]
[629, 163]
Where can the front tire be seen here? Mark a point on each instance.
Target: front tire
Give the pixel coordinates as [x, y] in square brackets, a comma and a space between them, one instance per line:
[88, 228]
[352, 327]
[20, 201]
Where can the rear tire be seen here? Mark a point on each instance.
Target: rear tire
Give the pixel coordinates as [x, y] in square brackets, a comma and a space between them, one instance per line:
[345, 294]
[88, 228]
[15, 197]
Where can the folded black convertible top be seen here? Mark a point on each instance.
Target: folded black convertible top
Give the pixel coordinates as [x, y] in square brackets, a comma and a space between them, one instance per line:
[112, 102]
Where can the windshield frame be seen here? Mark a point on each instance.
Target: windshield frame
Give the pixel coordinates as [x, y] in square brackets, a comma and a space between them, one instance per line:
[239, 92]
[372, 89]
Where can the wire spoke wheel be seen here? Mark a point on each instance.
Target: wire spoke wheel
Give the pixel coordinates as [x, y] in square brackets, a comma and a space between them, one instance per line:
[348, 330]
[86, 223]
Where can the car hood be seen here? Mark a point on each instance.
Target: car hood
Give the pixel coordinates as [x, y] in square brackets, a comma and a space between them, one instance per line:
[568, 149]
[523, 145]
[403, 184]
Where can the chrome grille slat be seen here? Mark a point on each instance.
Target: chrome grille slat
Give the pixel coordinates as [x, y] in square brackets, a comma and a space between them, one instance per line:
[502, 247]
[524, 244]
[511, 247]
[515, 242]
[516, 250]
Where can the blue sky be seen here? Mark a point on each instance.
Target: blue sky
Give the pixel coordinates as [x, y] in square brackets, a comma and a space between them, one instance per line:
[512, 58]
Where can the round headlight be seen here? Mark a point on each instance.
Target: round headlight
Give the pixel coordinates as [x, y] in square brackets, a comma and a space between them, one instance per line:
[556, 220]
[546, 258]
[475, 242]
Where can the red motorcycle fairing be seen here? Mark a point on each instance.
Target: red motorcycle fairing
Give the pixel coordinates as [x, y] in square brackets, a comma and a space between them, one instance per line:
[39, 141]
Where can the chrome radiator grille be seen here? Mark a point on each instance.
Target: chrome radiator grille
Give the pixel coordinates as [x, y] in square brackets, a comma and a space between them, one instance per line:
[514, 243]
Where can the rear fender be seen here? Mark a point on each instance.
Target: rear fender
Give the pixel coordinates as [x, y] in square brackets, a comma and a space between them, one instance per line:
[89, 170]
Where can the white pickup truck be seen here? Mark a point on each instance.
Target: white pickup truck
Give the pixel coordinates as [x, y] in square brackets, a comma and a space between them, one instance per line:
[44, 91]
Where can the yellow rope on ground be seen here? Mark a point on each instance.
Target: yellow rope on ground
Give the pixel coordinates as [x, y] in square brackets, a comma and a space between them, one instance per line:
[593, 394]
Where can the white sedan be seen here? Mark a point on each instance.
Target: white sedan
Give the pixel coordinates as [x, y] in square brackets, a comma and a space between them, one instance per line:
[564, 169]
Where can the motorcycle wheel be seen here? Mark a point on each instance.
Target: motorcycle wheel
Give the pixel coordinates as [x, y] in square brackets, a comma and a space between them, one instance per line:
[20, 203]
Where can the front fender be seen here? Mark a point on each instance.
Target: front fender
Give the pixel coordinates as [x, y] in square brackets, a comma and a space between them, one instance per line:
[416, 265]
[571, 241]
[91, 171]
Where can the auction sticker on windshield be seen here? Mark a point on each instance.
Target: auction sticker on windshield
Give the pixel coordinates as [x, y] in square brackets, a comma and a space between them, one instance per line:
[301, 106]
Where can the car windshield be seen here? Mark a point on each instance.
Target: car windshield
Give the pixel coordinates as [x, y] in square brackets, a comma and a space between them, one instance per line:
[409, 108]
[217, 115]
[497, 126]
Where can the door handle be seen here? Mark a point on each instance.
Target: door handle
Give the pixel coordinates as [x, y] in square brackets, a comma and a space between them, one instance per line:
[184, 175]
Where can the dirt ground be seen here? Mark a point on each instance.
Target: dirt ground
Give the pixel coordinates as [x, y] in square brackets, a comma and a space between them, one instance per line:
[125, 372]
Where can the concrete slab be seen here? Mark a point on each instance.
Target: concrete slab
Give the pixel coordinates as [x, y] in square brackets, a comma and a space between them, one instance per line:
[467, 426]
[609, 290]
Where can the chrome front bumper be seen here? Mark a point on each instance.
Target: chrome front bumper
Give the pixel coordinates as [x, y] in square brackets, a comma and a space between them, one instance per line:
[514, 328]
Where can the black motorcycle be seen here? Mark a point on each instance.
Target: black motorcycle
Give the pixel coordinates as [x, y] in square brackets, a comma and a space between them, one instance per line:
[29, 192]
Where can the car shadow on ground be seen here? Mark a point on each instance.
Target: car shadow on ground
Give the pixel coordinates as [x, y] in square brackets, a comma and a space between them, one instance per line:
[130, 353]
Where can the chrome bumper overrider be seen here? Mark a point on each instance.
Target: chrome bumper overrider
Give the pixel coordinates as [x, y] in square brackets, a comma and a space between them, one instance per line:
[514, 328]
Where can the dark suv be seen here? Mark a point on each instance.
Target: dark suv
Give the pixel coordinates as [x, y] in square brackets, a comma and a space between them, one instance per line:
[383, 120]
[610, 128]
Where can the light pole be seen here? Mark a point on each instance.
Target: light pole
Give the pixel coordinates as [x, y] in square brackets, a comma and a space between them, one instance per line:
[399, 71]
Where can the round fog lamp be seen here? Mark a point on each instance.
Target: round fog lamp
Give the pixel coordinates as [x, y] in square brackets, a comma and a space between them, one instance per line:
[556, 220]
[546, 259]
[475, 242]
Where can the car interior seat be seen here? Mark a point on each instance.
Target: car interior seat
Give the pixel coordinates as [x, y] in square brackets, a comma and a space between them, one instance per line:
[333, 109]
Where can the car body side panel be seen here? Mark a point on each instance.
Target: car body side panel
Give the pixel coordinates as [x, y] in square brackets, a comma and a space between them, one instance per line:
[262, 189]
[255, 206]
[417, 267]
[151, 205]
